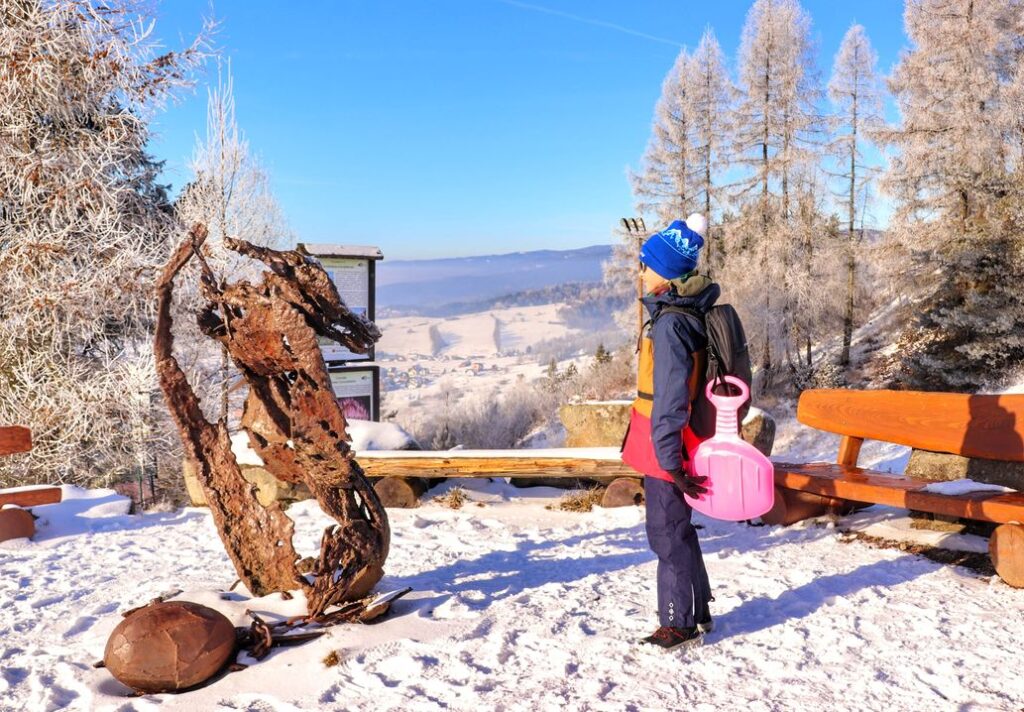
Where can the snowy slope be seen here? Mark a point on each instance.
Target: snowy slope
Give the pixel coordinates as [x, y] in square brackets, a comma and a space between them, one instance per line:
[520, 608]
[473, 335]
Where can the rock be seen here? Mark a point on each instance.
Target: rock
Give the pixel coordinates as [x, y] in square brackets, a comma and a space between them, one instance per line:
[169, 647]
[936, 466]
[943, 467]
[758, 429]
[595, 424]
[624, 492]
[192, 486]
[268, 488]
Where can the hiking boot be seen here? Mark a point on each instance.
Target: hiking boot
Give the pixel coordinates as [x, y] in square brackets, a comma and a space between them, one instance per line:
[706, 626]
[671, 638]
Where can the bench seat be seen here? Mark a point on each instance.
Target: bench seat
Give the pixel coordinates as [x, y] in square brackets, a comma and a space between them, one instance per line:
[31, 496]
[868, 486]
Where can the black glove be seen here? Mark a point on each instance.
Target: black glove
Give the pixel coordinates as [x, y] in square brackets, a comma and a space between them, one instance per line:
[689, 484]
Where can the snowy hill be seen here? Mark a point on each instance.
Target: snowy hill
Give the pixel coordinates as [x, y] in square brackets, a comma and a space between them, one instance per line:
[410, 286]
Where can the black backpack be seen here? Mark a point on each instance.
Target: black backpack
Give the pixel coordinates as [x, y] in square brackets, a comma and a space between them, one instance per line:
[727, 356]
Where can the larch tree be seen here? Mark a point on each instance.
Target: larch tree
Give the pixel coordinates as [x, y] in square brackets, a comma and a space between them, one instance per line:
[84, 227]
[816, 273]
[621, 278]
[667, 183]
[955, 179]
[230, 193]
[710, 96]
[856, 93]
[773, 132]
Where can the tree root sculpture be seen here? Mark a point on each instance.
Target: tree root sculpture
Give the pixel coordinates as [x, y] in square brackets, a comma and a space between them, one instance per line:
[270, 330]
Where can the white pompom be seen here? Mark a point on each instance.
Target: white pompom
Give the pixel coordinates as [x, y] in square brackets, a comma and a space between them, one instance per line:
[697, 223]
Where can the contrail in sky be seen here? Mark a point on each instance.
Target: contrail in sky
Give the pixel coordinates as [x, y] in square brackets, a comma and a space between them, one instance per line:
[589, 21]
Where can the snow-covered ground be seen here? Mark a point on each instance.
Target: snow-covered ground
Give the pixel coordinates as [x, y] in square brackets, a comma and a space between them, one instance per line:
[517, 607]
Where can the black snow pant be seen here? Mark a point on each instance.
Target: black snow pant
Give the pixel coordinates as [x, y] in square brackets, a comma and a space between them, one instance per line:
[683, 588]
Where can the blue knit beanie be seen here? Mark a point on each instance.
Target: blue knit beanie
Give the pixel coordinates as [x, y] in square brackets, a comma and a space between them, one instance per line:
[675, 250]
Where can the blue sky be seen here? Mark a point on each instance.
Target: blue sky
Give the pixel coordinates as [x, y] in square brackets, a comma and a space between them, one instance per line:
[458, 127]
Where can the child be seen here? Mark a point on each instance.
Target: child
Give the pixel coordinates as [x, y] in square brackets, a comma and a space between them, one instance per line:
[673, 357]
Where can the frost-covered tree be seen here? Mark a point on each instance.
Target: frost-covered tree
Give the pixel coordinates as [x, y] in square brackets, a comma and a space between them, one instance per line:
[709, 96]
[667, 185]
[956, 178]
[773, 133]
[84, 225]
[856, 94]
[621, 275]
[816, 276]
[230, 193]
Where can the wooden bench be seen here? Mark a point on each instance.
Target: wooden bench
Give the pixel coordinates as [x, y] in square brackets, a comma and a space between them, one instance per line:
[989, 427]
[16, 522]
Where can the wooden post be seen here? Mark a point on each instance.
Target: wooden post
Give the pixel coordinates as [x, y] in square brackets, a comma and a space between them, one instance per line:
[624, 492]
[849, 450]
[400, 492]
[792, 506]
[16, 524]
[1007, 550]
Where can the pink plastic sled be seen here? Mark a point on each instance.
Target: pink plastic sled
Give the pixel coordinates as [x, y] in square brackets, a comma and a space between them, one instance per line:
[741, 480]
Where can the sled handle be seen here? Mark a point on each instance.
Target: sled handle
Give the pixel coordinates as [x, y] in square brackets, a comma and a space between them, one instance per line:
[727, 407]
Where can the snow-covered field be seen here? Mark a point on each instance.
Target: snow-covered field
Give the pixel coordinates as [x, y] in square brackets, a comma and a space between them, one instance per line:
[516, 607]
[482, 353]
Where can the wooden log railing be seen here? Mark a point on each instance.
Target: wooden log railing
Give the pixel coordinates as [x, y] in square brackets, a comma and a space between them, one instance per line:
[405, 474]
[557, 462]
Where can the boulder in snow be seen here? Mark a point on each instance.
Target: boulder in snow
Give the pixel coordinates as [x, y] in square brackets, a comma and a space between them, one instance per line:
[758, 429]
[943, 467]
[595, 424]
[168, 647]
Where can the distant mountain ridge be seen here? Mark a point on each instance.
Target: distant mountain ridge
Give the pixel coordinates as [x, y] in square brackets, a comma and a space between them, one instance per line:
[580, 293]
[419, 286]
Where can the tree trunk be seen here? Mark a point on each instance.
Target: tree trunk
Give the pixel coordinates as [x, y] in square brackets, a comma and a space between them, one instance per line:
[766, 357]
[851, 266]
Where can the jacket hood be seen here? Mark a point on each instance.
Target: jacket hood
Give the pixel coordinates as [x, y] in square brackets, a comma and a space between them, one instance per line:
[698, 293]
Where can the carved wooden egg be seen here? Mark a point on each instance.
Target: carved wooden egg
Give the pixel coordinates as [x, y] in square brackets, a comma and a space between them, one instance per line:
[167, 647]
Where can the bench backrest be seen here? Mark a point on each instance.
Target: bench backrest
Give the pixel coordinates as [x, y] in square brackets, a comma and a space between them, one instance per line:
[15, 439]
[990, 427]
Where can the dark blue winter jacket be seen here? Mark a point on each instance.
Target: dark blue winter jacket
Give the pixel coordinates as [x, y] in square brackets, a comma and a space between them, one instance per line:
[676, 336]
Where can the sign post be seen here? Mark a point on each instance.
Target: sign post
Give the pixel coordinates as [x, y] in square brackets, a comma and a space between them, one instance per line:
[355, 380]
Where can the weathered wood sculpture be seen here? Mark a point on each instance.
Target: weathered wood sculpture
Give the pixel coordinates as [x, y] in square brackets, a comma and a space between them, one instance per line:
[270, 329]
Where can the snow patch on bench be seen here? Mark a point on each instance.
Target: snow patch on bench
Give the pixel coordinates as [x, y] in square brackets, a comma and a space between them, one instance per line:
[964, 486]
